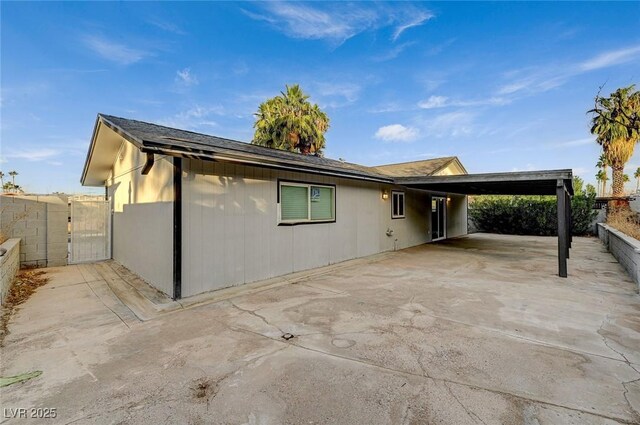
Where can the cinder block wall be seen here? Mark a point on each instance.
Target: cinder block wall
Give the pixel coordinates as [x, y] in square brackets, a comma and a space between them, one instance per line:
[41, 223]
[9, 265]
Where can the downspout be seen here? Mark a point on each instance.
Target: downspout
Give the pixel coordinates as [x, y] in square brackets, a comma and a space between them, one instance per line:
[177, 228]
[148, 164]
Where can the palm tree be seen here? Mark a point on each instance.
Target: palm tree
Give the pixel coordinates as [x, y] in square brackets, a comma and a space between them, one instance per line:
[601, 178]
[290, 122]
[637, 176]
[616, 124]
[13, 175]
[603, 164]
[1, 179]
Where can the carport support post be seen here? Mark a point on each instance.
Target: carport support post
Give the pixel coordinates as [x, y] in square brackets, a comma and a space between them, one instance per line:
[561, 196]
[568, 220]
[177, 228]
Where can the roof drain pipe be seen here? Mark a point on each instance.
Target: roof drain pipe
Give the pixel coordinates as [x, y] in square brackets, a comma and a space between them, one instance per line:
[148, 164]
[177, 227]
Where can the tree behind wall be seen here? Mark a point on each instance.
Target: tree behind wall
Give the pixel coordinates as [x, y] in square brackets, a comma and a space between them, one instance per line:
[616, 124]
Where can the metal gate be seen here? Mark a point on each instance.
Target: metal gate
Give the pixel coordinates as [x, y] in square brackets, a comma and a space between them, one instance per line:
[90, 229]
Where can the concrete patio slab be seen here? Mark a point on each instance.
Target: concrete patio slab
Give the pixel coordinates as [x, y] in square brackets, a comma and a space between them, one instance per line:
[477, 330]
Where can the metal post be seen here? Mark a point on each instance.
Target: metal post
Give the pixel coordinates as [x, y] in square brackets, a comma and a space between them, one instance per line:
[562, 229]
[177, 228]
[570, 216]
[567, 200]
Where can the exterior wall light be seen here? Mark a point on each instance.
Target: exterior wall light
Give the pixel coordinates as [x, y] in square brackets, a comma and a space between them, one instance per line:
[385, 194]
[448, 199]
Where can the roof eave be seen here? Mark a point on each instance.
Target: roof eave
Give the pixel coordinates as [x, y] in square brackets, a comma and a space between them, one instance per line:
[212, 155]
[101, 120]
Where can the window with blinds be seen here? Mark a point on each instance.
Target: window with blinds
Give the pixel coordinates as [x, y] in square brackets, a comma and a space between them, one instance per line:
[306, 203]
[397, 204]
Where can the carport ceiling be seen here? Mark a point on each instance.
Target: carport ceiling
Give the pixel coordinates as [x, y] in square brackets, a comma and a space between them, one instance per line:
[515, 183]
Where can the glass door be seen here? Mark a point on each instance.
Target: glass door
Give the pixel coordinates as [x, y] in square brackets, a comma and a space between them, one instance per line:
[438, 218]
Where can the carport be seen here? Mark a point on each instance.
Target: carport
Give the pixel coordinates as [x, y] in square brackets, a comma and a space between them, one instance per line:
[547, 182]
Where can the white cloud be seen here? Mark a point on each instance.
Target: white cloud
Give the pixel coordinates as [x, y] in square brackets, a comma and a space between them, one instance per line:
[195, 118]
[419, 19]
[434, 102]
[186, 78]
[396, 133]
[33, 154]
[394, 52]
[349, 91]
[451, 124]
[611, 58]
[338, 22]
[386, 107]
[114, 52]
[542, 79]
[573, 143]
[166, 26]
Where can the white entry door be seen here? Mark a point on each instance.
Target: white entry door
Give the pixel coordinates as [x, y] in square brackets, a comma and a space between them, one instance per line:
[90, 230]
[438, 218]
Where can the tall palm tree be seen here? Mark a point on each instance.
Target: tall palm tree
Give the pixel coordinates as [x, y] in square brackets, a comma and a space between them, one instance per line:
[603, 164]
[601, 178]
[1, 179]
[290, 122]
[616, 124]
[13, 175]
[637, 176]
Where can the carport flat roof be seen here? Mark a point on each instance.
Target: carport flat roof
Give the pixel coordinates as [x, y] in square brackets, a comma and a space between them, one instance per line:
[543, 182]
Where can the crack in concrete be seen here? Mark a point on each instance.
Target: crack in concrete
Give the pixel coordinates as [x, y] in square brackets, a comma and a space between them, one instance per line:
[471, 414]
[626, 360]
[624, 394]
[443, 380]
[524, 338]
[604, 339]
[253, 313]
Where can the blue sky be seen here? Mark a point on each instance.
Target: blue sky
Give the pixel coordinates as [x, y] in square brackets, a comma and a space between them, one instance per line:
[504, 86]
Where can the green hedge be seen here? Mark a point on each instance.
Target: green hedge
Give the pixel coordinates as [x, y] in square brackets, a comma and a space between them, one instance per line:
[529, 215]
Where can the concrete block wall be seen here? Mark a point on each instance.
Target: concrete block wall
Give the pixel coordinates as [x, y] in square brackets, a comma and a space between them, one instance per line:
[9, 266]
[624, 248]
[41, 222]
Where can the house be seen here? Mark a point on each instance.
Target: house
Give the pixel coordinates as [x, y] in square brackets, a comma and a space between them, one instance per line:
[193, 213]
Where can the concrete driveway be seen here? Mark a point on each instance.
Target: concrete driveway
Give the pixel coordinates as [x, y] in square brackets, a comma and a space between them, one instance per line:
[477, 330]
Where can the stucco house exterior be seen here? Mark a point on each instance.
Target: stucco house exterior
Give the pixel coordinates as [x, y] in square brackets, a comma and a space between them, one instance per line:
[193, 213]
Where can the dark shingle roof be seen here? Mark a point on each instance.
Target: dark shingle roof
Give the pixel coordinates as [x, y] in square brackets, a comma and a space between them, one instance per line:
[153, 137]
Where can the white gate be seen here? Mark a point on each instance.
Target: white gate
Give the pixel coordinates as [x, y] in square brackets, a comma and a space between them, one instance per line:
[90, 229]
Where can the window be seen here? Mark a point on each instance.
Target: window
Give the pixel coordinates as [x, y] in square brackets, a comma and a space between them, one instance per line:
[306, 203]
[397, 204]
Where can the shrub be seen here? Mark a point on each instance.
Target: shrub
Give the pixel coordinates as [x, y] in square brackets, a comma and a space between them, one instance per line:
[530, 215]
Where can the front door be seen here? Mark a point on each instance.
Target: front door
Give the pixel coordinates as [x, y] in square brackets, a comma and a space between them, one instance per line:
[438, 218]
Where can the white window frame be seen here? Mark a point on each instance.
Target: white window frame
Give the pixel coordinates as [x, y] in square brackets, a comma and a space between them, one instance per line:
[308, 186]
[395, 193]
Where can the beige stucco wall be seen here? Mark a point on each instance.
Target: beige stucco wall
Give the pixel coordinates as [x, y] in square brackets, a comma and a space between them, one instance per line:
[230, 230]
[456, 215]
[231, 235]
[142, 224]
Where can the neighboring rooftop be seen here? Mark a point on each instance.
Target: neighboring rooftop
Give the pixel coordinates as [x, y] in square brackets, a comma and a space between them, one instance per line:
[425, 167]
